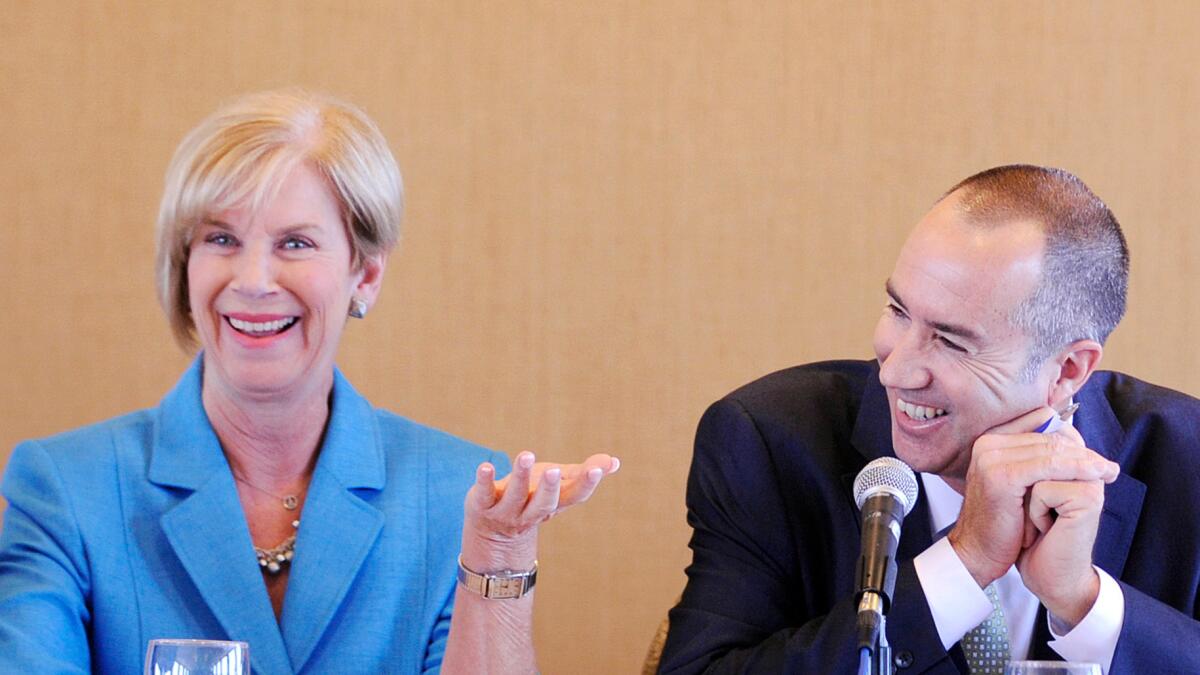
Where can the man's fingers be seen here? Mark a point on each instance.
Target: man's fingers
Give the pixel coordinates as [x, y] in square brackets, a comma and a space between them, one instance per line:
[1051, 500]
[1026, 423]
[1043, 457]
[1027, 472]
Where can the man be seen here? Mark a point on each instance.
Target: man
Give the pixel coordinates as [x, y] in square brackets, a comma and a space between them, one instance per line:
[1080, 544]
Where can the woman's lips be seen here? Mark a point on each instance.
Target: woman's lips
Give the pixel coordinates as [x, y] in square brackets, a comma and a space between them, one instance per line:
[258, 329]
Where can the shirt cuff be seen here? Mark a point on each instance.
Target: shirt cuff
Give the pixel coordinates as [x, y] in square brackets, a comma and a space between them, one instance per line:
[956, 602]
[1094, 638]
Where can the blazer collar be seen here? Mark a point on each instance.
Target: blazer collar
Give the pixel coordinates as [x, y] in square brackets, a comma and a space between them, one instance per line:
[207, 528]
[187, 451]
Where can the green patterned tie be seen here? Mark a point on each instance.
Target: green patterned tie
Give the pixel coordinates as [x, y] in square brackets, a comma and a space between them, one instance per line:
[986, 645]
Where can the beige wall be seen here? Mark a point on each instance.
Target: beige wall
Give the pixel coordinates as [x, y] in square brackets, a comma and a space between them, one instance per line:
[618, 212]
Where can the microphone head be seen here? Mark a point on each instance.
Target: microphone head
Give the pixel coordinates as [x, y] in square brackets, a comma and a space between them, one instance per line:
[886, 475]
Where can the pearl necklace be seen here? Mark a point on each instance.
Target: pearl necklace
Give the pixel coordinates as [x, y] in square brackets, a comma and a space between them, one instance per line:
[272, 560]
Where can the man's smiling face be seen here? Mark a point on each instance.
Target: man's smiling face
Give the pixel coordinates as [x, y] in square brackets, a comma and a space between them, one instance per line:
[950, 357]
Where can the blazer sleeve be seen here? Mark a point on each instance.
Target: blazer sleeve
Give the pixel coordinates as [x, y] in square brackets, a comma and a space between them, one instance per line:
[435, 650]
[740, 611]
[44, 581]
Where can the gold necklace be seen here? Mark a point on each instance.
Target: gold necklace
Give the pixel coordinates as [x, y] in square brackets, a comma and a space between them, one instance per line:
[290, 502]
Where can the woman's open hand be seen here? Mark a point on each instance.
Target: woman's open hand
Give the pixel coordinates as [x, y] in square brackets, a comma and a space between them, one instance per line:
[502, 516]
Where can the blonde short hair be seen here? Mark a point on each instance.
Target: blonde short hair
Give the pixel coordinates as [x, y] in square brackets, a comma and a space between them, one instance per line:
[242, 153]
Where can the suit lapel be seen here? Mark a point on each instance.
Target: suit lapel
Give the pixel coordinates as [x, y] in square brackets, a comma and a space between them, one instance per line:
[207, 529]
[1102, 431]
[338, 529]
[872, 437]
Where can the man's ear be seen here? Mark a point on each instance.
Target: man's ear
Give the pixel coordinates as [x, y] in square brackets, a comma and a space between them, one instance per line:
[1073, 365]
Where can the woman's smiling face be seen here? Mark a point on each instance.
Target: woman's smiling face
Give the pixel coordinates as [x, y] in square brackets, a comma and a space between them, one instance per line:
[269, 289]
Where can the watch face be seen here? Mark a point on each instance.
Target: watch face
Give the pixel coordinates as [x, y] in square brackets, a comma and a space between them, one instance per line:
[505, 587]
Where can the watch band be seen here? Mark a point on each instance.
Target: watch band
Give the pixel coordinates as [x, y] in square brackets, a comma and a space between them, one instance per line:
[505, 585]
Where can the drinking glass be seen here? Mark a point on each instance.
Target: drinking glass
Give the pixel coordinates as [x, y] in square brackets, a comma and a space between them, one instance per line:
[1050, 668]
[197, 657]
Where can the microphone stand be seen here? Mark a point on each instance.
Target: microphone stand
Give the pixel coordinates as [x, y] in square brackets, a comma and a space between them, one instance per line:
[882, 664]
[877, 661]
[875, 654]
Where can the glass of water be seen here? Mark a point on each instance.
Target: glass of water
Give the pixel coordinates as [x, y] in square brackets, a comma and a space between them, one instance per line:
[197, 657]
[1051, 668]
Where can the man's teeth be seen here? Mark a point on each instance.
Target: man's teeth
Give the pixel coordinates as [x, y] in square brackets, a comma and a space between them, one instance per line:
[918, 412]
[263, 327]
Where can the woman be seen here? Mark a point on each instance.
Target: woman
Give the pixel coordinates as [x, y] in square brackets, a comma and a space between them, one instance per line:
[264, 499]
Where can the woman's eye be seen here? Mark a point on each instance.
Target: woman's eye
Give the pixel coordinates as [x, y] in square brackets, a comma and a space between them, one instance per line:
[296, 243]
[894, 310]
[220, 239]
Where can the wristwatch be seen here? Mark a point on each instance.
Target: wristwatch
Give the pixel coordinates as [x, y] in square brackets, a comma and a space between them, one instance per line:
[505, 585]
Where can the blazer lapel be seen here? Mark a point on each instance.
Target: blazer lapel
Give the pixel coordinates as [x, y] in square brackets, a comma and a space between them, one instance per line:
[207, 529]
[338, 529]
[208, 532]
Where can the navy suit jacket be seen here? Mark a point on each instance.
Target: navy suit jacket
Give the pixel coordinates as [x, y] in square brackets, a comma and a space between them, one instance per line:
[776, 532]
[131, 529]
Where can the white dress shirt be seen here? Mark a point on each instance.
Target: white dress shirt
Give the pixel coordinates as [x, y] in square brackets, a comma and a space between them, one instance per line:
[958, 604]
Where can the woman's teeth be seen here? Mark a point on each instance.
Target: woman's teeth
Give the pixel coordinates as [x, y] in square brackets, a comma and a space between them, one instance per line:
[918, 412]
[263, 328]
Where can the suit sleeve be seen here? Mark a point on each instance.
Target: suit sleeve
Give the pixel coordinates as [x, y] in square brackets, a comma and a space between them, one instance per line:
[1155, 637]
[44, 583]
[743, 609]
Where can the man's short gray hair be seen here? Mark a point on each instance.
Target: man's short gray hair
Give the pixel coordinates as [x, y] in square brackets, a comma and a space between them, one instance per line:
[1085, 266]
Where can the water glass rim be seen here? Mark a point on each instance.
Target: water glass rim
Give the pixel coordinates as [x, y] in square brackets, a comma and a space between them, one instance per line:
[196, 642]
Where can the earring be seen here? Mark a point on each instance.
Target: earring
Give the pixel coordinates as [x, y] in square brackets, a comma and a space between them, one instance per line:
[358, 308]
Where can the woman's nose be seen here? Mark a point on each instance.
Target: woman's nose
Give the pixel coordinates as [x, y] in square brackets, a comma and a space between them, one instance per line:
[254, 272]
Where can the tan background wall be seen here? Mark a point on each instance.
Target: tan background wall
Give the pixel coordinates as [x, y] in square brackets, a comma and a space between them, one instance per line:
[618, 212]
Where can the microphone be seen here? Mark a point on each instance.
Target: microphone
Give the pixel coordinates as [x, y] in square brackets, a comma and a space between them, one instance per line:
[885, 492]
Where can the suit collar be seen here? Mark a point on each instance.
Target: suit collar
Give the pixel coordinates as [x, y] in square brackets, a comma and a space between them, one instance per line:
[208, 532]
[872, 435]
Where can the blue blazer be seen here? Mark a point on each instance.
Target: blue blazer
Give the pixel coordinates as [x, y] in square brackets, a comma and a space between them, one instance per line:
[776, 532]
[131, 529]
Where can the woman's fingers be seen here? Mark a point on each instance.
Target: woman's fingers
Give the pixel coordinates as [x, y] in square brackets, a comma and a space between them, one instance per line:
[585, 478]
[544, 501]
[533, 492]
[483, 494]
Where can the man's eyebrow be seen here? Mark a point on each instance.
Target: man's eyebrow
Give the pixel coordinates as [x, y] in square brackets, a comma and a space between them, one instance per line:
[940, 326]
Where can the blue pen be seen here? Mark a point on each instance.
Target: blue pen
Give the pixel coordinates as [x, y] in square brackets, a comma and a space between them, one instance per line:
[1055, 423]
